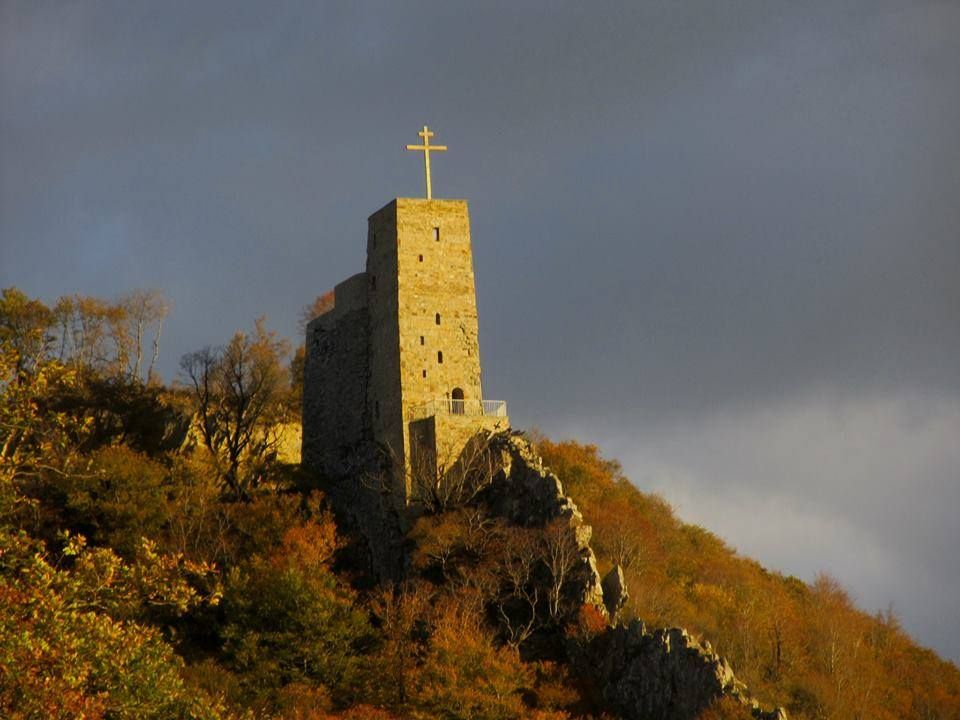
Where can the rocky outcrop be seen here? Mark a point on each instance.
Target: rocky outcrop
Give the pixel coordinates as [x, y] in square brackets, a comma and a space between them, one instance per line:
[661, 675]
[615, 593]
[525, 493]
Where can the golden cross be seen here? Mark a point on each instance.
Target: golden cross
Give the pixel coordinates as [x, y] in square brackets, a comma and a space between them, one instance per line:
[427, 147]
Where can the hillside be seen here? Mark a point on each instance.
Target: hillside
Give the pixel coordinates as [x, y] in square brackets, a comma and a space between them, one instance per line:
[802, 645]
[145, 577]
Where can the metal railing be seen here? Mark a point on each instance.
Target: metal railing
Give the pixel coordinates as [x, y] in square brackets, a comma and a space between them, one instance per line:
[468, 408]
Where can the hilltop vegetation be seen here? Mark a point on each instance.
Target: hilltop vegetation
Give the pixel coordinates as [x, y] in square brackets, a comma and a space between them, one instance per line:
[145, 576]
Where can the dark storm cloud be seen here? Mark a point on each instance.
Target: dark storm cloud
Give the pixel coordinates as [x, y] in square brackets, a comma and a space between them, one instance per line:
[718, 238]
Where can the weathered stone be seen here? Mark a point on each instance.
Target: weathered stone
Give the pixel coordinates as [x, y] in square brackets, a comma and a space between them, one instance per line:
[615, 593]
[527, 494]
[775, 714]
[659, 675]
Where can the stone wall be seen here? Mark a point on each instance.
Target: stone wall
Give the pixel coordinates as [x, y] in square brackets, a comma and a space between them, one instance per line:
[335, 378]
[452, 433]
[435, 267]
[424, 338]
[384, 402]
[399, 336]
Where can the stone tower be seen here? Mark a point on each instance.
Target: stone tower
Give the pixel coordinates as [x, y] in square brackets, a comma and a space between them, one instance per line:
[395, 362]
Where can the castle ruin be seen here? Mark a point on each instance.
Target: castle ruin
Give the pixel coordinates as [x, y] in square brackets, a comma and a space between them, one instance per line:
[394, 362]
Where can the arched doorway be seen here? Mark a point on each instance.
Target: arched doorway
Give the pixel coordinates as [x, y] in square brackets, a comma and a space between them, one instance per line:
[456, 401]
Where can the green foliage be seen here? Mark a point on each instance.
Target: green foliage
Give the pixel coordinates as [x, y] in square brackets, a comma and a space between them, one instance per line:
[119, 410]
[152, 583]
[291, 621]
[119, 497]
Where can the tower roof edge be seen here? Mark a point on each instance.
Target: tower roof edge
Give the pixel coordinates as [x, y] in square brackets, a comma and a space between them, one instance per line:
[421, 202]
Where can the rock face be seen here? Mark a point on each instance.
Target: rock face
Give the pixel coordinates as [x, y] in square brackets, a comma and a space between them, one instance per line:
[660, 675]
[639, 675]
[615, 593]
[664, 675]
[525, 493]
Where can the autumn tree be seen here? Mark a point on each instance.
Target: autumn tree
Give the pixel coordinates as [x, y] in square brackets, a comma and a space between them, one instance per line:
[464, 674]
[560, 554]
[619, 535]
[517, 594]
[110, 336]
[321, 304]
[24, 330]
[240, 394]
[144, 310]
[35, 435]
[402, 614]
[115, 498]
[85, 324]
[444, 482]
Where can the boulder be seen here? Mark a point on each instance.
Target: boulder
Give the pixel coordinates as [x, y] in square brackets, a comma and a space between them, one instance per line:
[615, 593]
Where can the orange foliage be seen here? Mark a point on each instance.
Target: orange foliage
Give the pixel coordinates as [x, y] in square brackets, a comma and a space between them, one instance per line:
[321, 304]
[309, 545]
[464, 674]
[804, 646]
[590, 621]
[726, 709]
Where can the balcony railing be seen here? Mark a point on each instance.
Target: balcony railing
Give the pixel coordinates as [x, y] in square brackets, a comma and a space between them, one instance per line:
[468, 408]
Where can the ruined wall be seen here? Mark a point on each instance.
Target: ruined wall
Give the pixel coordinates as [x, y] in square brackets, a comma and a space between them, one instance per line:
[383, 396]
[454, 431]
[439, 442]
[335, 379]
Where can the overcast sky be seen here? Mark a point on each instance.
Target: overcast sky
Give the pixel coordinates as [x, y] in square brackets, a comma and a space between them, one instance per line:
[719, 239]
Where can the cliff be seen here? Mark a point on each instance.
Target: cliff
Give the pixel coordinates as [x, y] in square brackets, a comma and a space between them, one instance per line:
[660, 675]
[538, 570]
